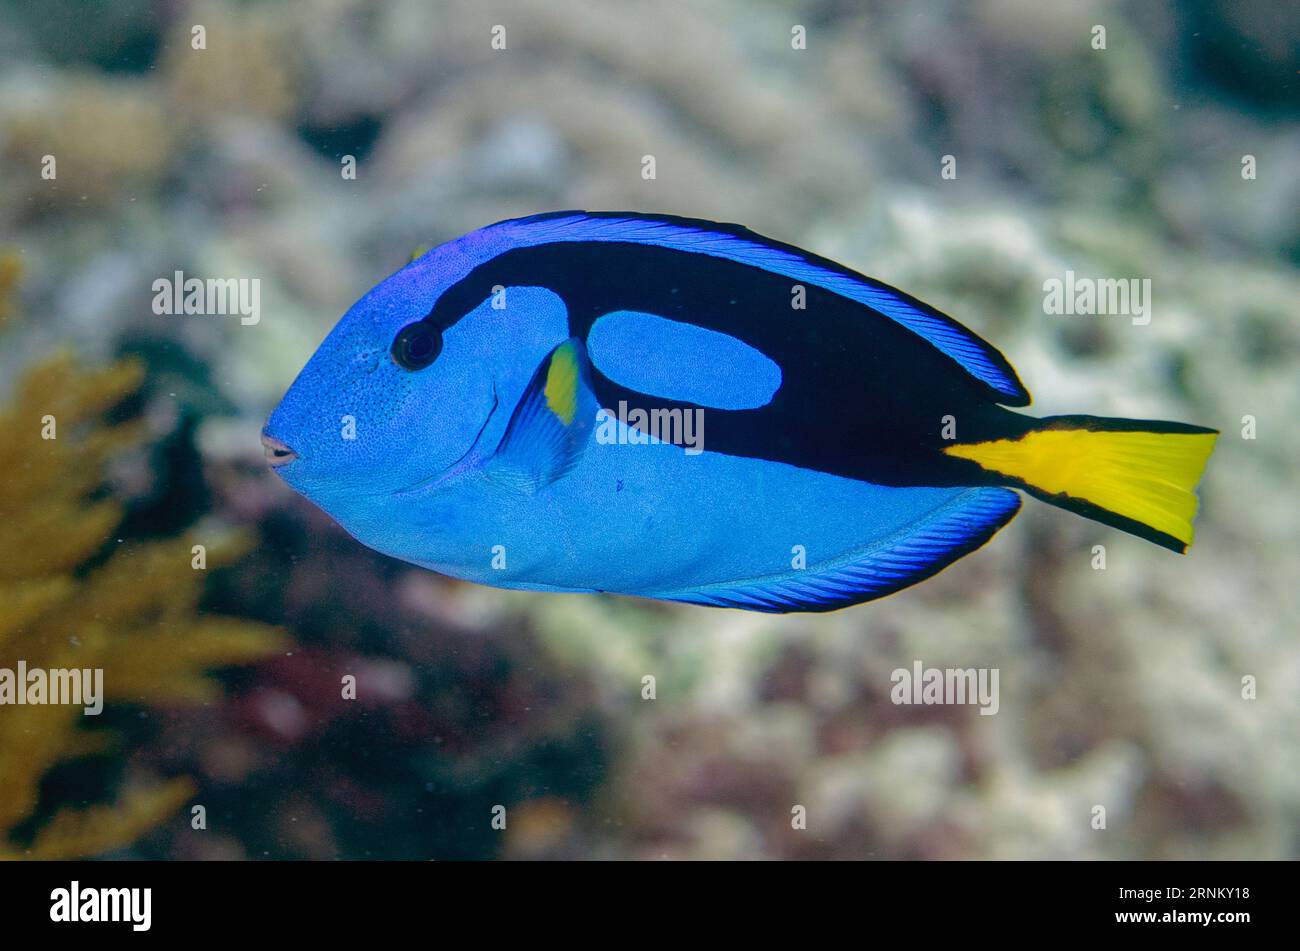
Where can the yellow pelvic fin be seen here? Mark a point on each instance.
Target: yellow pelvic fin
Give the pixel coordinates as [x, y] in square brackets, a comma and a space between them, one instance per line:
[562, 383]
[1149, 477]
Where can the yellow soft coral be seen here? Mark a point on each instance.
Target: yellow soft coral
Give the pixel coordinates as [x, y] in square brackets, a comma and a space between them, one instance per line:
[11, 268]
[133, 614]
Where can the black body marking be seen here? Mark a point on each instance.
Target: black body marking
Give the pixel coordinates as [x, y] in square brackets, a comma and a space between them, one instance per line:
[861, 395]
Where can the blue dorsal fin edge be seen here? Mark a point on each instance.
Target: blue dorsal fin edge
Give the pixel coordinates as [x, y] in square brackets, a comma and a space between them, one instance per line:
[552, 422]
[976, 356]
[956, 529]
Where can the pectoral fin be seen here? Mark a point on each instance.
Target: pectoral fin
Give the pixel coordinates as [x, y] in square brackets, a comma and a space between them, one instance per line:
[552, 423]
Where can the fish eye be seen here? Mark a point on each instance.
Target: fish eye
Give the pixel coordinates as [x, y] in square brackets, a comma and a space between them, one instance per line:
[417, 345]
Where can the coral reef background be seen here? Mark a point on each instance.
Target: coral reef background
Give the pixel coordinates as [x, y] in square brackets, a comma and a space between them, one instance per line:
[1121, 687]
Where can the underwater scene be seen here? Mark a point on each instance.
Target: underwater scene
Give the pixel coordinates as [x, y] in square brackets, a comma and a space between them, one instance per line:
[564, 430]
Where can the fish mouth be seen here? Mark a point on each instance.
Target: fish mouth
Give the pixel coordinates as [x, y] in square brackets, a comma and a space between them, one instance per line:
[278, 453]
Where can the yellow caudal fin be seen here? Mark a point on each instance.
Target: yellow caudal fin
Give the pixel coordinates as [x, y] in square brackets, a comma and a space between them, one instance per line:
[1137, 475]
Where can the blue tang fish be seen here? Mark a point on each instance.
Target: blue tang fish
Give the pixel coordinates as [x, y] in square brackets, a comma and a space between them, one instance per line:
[686, 410]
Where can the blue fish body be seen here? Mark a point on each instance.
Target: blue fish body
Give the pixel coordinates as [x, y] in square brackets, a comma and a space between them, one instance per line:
[684, 410]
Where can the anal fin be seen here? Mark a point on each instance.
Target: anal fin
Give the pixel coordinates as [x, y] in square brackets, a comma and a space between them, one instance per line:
[955, 529]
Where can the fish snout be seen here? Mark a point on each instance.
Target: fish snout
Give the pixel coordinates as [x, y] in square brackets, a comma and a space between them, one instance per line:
[277, 453]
